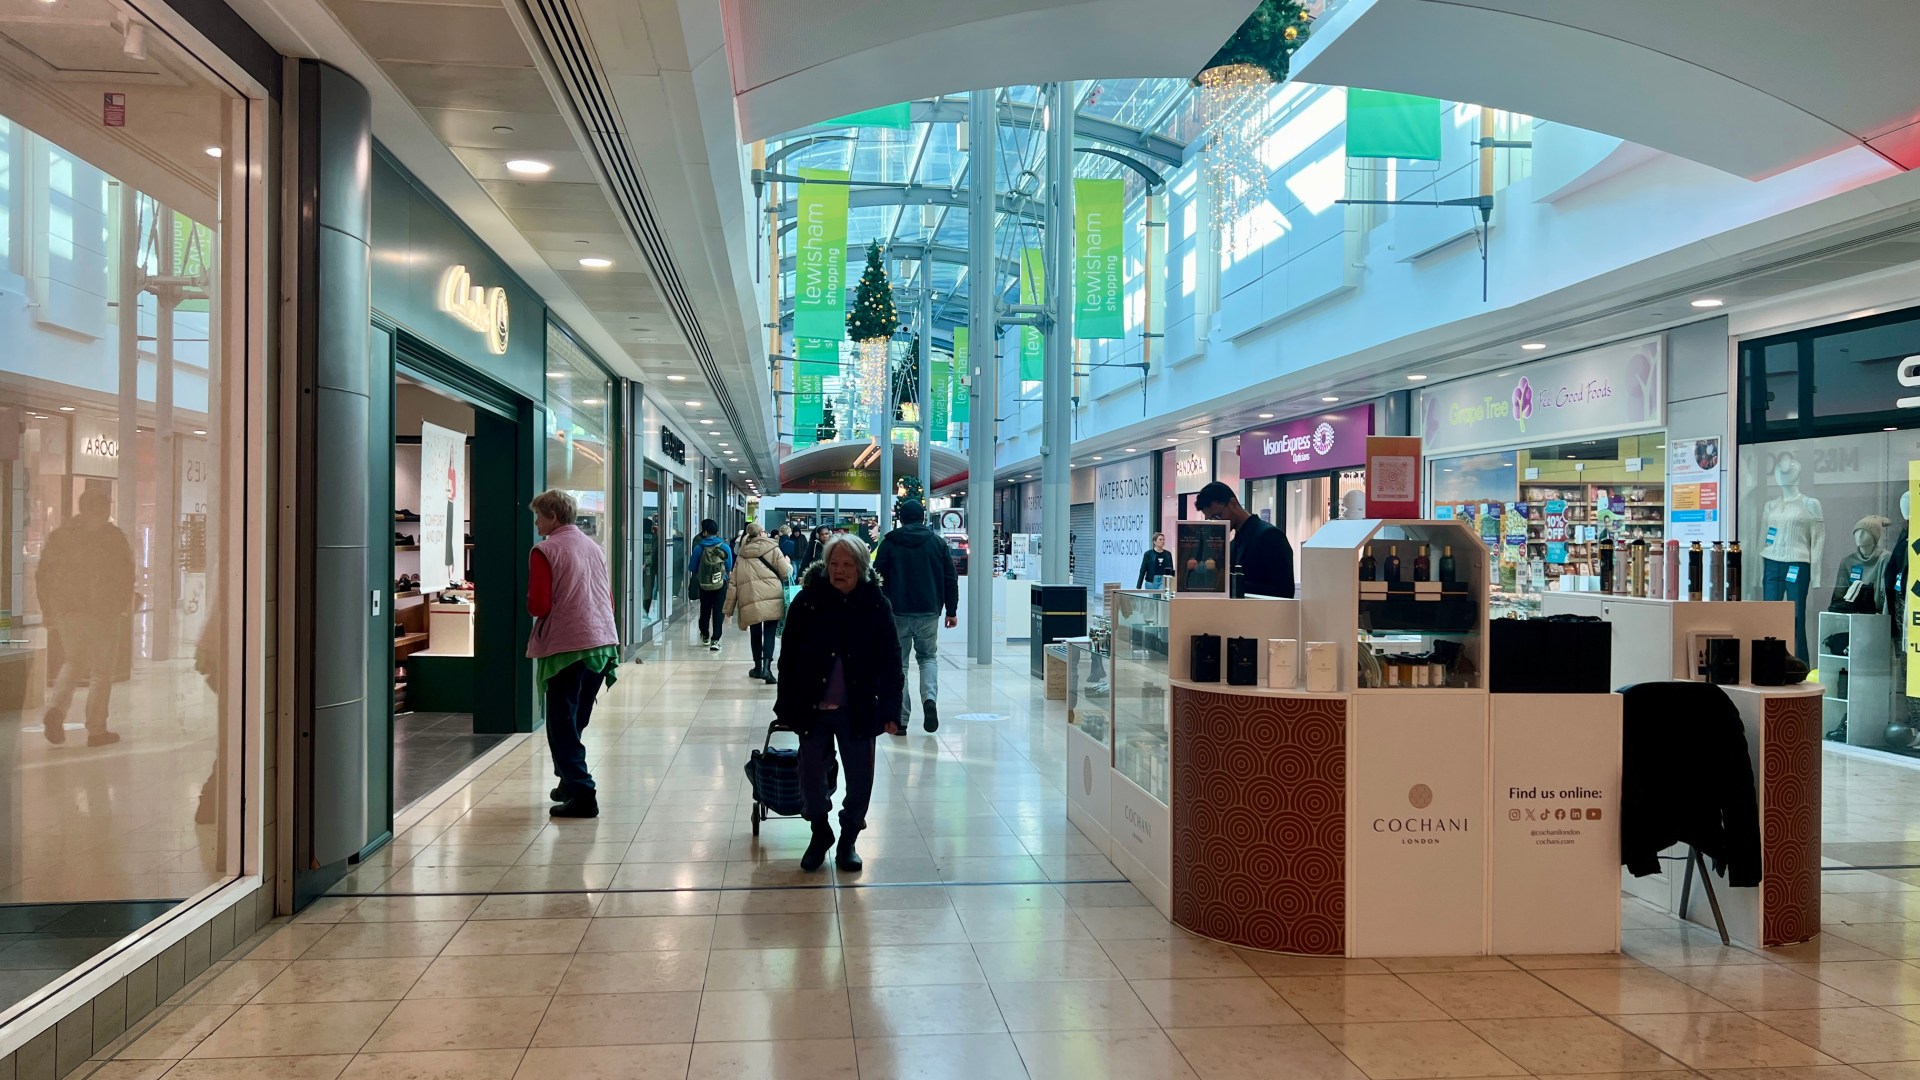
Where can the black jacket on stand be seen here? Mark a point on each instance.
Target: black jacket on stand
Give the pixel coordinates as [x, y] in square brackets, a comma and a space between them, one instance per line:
[1686, 779]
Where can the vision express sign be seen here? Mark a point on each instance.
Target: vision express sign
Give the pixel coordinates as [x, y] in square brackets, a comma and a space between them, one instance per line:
[1317, 443]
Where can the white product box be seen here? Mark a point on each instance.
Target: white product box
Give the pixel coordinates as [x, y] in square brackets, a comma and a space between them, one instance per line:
[1283, 663]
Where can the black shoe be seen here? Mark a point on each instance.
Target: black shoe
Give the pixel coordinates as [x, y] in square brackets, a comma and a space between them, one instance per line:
[102, 738]
[584, 805]
[758, 672]
[558, 794]
[930, 716]
[769, 676]
[817, 848]
[847, 859]
[55, 725]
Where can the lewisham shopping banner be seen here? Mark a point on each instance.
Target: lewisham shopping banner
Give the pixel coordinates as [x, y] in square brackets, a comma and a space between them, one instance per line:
[820, 256]
[1610, 390]
[1033, 288]
[1099, 239]
[942, 398]
[962, 394]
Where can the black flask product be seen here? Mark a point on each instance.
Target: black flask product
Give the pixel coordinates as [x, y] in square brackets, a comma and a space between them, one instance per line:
[1203, 658]
[1243, 661]
[1696, 568]
[1733, 585]
[1606, 567]
[1769, 664]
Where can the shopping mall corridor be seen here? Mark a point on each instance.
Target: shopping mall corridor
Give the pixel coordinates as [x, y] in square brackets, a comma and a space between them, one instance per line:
[985, 939]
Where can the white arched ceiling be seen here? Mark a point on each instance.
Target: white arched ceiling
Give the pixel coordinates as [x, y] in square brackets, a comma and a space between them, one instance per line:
[1751, 87]
[797, 62]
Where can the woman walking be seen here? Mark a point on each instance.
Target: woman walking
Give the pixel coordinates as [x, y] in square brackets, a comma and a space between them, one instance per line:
[840, 683]
[574, 642]
[1156, 564]
[757, 596]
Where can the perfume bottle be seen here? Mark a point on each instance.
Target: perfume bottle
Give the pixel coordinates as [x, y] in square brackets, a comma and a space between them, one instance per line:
[1422, 567]
[1733, 570]
[1696, 559]
[1368, 569]
[1446, 565]
[1393, 564]
[1719, 591]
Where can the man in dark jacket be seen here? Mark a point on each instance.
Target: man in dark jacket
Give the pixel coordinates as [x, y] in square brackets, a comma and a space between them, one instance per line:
[86, 590]
[916, 570]
[1260, 551]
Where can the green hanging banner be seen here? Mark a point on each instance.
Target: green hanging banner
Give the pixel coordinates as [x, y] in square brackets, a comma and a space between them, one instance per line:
[1099, 233]
[1387, 125]
[942, 406]
[816, 356]
[820, 257]
[1033, 287]
[807, 399]
[962, 396]
[899, 117]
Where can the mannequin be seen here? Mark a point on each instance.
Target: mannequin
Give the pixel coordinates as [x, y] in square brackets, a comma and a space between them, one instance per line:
[1859, 583]
[1893, 579]
[1796, 539]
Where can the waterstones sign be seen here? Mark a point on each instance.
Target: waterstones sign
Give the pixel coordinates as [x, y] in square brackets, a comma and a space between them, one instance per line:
[1317, 443]
[1601, 391]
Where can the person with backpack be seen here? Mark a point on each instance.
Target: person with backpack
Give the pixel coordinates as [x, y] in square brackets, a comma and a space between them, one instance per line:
[757, 597]
[917, 573]
[708, 571]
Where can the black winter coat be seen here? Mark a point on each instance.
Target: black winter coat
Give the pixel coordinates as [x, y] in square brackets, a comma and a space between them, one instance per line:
[1686, 779]
[824, 623]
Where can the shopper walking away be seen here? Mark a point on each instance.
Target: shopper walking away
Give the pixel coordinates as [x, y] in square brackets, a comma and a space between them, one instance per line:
[575, 644]
[1260, 550]
[840, 684]
[86, 594]
[789, 542]
[1156, 564]
[757, 597]
[917, 568]
[707, 573]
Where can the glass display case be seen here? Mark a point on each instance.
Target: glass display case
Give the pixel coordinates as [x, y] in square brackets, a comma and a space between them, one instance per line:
[1137, 693]
[1090, 690]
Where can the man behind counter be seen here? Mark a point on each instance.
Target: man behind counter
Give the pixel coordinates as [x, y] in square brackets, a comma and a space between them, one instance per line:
[1260, 550]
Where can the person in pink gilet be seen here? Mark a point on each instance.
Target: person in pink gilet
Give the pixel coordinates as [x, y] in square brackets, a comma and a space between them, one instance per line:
[575, 644]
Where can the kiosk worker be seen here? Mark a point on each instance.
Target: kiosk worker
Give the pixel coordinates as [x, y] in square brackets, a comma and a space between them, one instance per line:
[1260, 549]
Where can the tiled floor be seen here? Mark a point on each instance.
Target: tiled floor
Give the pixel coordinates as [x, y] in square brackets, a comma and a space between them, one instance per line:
[429, 748]
[985, 940]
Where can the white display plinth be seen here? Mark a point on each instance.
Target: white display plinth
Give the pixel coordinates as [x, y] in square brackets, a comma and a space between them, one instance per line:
[449, 629]
[1089, 786]
[1555, 827]
[1416, 823]
[1140, 841]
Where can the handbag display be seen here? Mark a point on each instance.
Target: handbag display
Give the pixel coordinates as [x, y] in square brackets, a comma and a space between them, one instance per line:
[1203, 658]
[1243, 661]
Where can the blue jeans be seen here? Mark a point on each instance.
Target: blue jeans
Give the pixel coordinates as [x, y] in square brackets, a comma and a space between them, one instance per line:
[570, 695]
[1775, 586]
[919, 634]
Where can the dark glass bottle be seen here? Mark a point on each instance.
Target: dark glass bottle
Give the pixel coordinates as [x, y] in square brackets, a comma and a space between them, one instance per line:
[1696, 570]
[1422, 566]
[1368, 568]
[1393, 563]
[1447, 569]
[1606, 566]
[1733, 570]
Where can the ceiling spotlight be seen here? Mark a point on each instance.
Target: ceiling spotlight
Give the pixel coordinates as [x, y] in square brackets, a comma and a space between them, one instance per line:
[214, 151]
[692, 404]
[1173, 440]
[1097, 457]
[556, 374]
[706, 421]
[1028, 476]
[593, 262]
[1204, 431]
[1533, 346]
[203, 431]
[1329, 398]
[529, 167]
[1266, 416]
[590, 401]
[1709, 302]
[1128, 450]
[676, 378]
[134, 42]
[1416, 378]
[66, 408]
[723, 444]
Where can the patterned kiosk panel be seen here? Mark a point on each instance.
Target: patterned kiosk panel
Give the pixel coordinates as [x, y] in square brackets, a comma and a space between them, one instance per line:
[1790, 821]
[1259, 820]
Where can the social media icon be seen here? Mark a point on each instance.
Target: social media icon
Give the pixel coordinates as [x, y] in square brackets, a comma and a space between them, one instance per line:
[1513, 815]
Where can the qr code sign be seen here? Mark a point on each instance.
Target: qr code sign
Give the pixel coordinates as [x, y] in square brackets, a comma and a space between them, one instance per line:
[1393, 478]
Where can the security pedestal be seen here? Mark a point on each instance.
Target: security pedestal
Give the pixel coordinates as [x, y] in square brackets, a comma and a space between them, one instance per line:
[1059, 611]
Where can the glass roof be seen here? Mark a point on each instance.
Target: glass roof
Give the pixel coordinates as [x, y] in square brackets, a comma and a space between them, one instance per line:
[925, 170]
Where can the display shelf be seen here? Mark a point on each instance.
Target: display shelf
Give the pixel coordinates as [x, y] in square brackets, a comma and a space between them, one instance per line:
[1089, 691]
[1452, 625]
[1857, 684]
[1137, 697]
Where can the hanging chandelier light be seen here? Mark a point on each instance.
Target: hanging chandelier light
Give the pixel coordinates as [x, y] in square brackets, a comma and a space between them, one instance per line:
[1235, 87]
[870, 373]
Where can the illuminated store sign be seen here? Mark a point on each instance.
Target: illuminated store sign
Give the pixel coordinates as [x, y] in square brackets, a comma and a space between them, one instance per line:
[482, 310]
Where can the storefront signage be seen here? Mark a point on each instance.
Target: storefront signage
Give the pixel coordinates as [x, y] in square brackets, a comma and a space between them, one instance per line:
[96, 446]
[1123, 518]
[443, 501]
[482, 310]
[1693, 490]
[1330, 440]
[820, 255]
[1613, 389]
[1099, 220]
[1393, 476]
[1192, 469]
[1909, 375]
[671, 447]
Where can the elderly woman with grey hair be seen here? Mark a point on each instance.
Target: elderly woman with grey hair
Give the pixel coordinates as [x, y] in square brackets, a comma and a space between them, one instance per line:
[575, 642]
[840, 683]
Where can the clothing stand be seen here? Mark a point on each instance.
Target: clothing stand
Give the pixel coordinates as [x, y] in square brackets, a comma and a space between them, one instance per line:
[1692, 860]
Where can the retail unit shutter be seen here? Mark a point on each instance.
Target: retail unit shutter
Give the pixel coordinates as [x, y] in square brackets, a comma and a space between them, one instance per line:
[1080, 522]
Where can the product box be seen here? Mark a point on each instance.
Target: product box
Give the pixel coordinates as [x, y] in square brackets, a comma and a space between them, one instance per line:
[1322, 674]
[1283, 663]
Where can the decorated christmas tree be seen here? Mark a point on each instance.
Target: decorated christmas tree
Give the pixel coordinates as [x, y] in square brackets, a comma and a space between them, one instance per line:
[873, 316]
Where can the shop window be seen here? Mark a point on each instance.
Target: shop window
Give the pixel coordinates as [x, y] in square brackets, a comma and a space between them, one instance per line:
[579, 430]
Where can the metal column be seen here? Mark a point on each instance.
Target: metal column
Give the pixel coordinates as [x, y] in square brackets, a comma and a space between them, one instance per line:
[1056, 387]
[982, 370]
[925, 360]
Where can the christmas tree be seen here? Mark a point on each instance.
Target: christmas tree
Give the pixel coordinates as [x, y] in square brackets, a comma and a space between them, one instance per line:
[873, 318]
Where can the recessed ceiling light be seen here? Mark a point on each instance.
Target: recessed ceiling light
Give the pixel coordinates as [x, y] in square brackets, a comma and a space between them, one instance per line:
[1204, 431]
[556, 374]
[1533, 346]
[1128, 450]
[723, 444]
[1416, 378]
[503, 129]
[590, 401]
[1097, 457]
[1266, 416]
[66, 408]
[1173, 440]
[676, 378]
[203, 431]
[1709, 301]
[706, 421]
[594, 262]
[214, 151]
[1029, 476]
[692, 404]
[529, 167]
[1329, 397]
